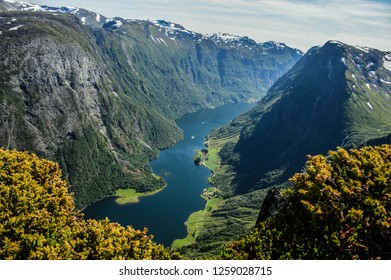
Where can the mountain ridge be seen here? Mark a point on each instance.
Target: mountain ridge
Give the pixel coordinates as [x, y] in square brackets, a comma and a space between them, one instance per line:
[327, 96]
[334, 91]
[100, 99]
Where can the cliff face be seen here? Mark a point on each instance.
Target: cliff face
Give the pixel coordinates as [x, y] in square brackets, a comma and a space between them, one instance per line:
[58, 101]
[102, 101]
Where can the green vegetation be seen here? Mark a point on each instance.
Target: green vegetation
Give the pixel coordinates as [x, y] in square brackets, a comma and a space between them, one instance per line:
[126, 196]
[195, 224]
[102, 103]
[338, 208]
[212, 159]
[207, 157]
[37, 219]
[322, 102]
[199, 157]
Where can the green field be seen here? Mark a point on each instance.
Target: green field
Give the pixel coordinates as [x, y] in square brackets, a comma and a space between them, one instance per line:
[195, 223]
[212, 159]
[126, 196]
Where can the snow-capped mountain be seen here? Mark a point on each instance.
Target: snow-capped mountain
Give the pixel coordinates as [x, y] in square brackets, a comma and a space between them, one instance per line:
[87, 17]
[77, 76]
[235, 41]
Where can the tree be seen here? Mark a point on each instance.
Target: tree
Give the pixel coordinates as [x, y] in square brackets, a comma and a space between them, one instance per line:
[37, 219]
[339, 207]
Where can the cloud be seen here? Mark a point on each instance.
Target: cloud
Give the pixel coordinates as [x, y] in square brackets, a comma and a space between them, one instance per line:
[299, 23]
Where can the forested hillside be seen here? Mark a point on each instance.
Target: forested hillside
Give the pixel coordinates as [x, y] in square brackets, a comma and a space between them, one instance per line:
[336, 95]
[102, 99]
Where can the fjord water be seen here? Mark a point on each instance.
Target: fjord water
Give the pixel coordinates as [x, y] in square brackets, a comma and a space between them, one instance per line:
[165, 213]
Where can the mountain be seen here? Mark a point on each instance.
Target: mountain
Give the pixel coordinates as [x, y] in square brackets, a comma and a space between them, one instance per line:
[336, 95]
[100, 96]
[337, 208]
[87, 17]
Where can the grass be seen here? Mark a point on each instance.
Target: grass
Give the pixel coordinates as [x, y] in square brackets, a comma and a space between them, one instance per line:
[126, 196]
[212, 160]
[195, 224]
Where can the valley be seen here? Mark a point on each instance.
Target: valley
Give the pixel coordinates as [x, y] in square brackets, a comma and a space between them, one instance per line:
[166, 212]
[206, 140]
[101, 97]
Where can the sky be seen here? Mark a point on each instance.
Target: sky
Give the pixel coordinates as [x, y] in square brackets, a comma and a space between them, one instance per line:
[297, 23]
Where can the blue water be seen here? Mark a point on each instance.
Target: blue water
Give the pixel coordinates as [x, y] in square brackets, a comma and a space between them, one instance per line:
[165, 213]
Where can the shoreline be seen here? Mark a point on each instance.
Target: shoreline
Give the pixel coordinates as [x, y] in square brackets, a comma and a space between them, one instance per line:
[130, 196]
[133, 196]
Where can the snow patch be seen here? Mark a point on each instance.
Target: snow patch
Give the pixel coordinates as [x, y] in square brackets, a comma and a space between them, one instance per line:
[1, 32]
[369, 105]
[30, 7]
[228, 37]
[153, 39]
[343, 60]
[368, 86]
[354, 77]
[14, 19]
[335, 42]
[386, 82]
[164, 42]
[117, 23]
[73, 10]
[83, 20]
[170, 28]
[223, 37]
[15, 28]
[364, 49]
[98, 17]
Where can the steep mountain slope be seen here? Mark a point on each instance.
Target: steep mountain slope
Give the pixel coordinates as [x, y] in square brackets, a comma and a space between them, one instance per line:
[102, 100]
[336, 95]
[58, 100]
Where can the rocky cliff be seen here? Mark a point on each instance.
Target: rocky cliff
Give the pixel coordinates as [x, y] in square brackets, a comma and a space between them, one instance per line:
[102, 100]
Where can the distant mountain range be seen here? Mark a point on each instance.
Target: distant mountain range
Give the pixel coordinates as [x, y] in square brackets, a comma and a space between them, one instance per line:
[101, 96]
